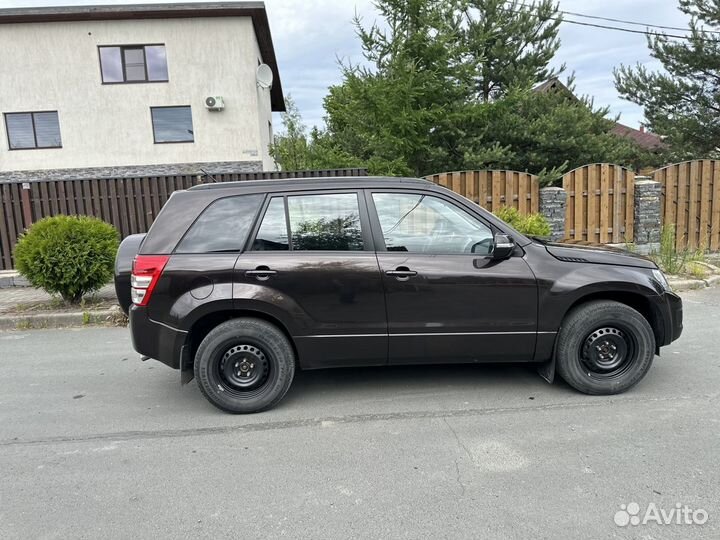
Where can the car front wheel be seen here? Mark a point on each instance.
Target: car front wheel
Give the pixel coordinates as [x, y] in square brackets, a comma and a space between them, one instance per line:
[604, 347]
[245, 365]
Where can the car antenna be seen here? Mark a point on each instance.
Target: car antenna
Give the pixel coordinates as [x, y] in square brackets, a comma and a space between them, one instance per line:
[209, 175]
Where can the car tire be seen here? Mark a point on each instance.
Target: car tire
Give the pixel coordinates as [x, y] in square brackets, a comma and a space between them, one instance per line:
[245, 365]
[604, 347]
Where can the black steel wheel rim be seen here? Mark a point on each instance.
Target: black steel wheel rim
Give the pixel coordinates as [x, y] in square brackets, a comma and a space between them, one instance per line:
[243, 368]
[608, 352]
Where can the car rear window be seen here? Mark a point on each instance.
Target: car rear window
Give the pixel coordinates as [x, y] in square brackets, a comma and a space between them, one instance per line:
[223, 226]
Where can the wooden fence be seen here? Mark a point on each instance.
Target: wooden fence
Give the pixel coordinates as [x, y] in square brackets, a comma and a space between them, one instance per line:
[691, 202]
[130, 204]
[494, 189]
[600, 203]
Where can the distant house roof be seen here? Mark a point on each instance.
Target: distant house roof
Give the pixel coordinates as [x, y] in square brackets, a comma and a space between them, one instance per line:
[644, 139]
[255, 10]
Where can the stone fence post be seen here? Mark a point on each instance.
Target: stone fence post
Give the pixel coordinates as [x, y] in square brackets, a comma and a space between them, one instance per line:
[552, 206]
[647, 212]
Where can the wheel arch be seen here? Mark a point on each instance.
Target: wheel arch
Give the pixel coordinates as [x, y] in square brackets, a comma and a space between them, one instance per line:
[637, 301]
[202, 326]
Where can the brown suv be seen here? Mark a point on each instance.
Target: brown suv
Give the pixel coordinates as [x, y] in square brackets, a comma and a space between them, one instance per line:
[242, 283]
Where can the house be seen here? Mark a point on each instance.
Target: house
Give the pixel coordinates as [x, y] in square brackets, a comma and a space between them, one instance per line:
[644, 139]
[130, 90]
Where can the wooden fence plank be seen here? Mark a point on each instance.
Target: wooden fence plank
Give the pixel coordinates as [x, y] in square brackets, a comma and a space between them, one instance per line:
[629, 232]
[9, 216]
[682, 215]
[70, 195]
[496, 194]
[484, 189]
[62, 200]
[581, 233]
[53, 198]
[524, 191]
[37, 204]
[569, 206]
[705, 202]
[5, 243]
[471, 185]
[593, 203]
[693, 196]
[618, 212]
[605, 208]
[509, 191]
[714, 242]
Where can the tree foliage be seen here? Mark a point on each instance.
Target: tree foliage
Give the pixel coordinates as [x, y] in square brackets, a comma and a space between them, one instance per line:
[682, 102]
[546, 133]
[296, 149]
[510, 44]
[447, 85]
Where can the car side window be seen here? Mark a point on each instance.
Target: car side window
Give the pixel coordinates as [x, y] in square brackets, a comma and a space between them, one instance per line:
[272, 235]
[327, 222]
[222, 227]
[426, 224]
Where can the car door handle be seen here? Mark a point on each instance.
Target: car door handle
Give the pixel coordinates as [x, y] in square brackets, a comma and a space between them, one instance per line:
[401, 273]
[261, 273]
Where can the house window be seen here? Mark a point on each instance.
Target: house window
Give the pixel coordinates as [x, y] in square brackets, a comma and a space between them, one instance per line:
[172, 124]
[33, 130]
[133, 64]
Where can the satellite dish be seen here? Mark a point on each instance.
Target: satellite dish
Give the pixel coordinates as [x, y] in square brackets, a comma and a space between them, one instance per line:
[264, 76]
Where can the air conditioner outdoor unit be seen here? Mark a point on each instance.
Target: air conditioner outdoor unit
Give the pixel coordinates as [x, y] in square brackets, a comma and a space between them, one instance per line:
[214, 103]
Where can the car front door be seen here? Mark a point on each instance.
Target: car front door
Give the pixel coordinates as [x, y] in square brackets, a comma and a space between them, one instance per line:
[312, 258]
[447, 298]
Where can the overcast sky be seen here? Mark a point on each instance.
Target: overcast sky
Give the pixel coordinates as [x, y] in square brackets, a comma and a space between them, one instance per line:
[310, 35]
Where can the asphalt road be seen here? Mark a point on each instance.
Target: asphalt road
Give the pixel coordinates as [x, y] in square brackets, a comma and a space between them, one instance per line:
[96, 444]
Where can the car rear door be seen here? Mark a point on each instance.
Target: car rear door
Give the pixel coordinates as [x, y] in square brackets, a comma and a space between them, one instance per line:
[312, 258]
[447, 299]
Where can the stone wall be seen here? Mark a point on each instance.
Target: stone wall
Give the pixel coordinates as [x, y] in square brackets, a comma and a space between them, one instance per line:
[648, 219]
[133, 171]
[552, 207]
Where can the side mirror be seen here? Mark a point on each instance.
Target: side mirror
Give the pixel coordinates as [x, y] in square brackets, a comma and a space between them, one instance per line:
[503, 246]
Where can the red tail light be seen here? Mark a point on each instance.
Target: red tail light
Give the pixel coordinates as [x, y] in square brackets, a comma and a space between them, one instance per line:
[146, 272]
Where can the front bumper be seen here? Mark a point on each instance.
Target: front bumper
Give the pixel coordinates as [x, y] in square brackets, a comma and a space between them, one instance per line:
[155, 340]
[672, 317]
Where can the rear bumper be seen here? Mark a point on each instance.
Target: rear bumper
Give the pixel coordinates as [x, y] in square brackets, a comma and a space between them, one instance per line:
[672, 317]
[155, 340]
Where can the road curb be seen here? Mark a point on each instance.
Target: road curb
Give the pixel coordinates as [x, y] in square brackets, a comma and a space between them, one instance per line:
[9, 279]
[111, 316]
[692, 284]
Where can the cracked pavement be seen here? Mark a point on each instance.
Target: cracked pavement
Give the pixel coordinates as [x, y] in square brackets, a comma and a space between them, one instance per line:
[95, 443]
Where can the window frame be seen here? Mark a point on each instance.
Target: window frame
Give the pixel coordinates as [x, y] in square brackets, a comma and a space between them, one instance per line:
[241, 248]
[32, 119]
[379, 237]
[122, 63]
[365, 226]
[152, 122]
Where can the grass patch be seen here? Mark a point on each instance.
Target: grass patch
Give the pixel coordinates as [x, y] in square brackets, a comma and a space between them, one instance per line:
[676, 261]
[92, 303]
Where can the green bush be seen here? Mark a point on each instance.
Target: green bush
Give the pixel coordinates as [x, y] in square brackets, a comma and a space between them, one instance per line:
[67, 255]
[531, 224]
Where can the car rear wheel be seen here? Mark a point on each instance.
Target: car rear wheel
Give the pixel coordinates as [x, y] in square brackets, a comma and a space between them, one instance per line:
[245, 366]
[604, 347]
